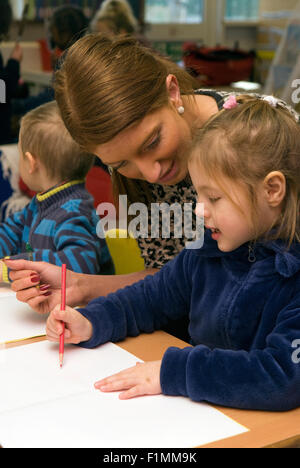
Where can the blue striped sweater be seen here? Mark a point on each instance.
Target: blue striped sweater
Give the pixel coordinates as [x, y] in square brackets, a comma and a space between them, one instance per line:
[60, 226]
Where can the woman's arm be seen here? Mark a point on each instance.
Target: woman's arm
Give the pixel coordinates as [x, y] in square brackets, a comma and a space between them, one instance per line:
[81, 288]
[93, 286]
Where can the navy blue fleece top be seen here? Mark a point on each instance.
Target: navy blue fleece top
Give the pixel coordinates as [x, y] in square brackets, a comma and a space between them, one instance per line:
[244, 319]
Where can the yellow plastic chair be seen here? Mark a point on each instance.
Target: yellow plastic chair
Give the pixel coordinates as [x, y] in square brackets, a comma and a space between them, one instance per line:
[125, 252]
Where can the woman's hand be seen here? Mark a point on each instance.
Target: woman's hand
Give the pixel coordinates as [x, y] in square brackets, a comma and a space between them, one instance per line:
[142, 379]
[77, 327]
[39, 284]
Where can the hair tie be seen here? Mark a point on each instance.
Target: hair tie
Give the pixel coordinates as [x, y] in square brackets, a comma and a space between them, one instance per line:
[231, 103]
[273, 101]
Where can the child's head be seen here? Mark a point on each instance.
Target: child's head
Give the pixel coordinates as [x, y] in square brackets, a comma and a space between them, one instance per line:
[67, 25]
[47, 151]
[245, 166]
[5, 18]
[115, 17]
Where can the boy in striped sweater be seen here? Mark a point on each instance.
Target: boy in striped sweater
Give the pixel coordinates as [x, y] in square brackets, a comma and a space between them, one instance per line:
[59, 224]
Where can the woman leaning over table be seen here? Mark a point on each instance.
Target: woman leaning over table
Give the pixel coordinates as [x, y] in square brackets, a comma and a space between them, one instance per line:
[137, 112]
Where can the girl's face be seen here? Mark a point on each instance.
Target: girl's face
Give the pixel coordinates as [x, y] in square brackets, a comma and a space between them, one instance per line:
[228, 215]
[153, 150]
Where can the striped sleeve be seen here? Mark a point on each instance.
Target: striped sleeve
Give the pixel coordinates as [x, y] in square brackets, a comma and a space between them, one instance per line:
[11, 232]
[75, 244]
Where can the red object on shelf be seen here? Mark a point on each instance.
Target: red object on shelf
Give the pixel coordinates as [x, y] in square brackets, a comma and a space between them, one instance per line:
[48, 58]
[217, 66]
[45, 55]
[98, 183]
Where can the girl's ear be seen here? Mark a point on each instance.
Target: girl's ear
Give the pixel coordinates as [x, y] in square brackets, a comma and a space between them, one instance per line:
[275, 188]
[32, 162]
[173, 90]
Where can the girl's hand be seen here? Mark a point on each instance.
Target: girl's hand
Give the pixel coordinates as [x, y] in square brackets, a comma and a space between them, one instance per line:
[142, 379]
[77, 327]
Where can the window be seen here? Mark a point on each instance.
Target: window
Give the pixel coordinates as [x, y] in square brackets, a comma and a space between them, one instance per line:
[174, 11]
[17, 7]
[41, 9]
[242, 9]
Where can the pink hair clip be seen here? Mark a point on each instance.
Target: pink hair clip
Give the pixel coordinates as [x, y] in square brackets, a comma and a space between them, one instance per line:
[231, 103]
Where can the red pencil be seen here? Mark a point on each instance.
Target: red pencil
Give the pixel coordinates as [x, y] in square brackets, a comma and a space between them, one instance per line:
[62, 307]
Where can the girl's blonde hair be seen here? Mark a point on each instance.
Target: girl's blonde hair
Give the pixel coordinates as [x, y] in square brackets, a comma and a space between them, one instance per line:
[245, 144]
[43, 134]
[106, 85]
[118, 14]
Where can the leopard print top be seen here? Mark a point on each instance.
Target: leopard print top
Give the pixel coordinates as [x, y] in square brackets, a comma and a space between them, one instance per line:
[157, 252]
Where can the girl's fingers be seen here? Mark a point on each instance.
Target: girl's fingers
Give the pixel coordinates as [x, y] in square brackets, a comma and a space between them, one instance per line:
[142, 379]
[120, 376]
[53, 336]
[115, 385]
[133, 389]
[54, 329]
[132, 393]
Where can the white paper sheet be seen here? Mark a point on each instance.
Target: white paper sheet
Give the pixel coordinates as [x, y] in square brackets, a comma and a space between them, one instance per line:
[5, 290]
[42, 405]
[18, 320]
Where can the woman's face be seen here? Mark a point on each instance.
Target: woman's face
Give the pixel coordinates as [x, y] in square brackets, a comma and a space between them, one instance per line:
[154, 150]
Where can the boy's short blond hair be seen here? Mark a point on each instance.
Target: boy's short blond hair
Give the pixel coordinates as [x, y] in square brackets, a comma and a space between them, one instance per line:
[45, 136]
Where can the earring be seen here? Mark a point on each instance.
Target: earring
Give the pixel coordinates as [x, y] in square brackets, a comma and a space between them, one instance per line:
[180, 110]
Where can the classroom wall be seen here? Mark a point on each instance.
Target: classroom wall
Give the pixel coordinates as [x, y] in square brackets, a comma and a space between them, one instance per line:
[277, 5]
[247, 36]
[227, 35]
[35, 31]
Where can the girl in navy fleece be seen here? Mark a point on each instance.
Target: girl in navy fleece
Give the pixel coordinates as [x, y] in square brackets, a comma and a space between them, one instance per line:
[241, 290]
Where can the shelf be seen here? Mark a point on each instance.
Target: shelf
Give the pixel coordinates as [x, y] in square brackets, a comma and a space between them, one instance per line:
[37, 77]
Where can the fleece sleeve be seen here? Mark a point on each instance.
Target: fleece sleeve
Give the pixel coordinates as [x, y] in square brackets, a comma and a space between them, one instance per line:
[143, 307]
[261, 379]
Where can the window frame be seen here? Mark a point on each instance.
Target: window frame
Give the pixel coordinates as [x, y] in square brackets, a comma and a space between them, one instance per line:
[209, 31]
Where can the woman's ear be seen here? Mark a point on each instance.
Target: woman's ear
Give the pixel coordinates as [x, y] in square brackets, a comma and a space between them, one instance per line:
[173, 90]
[275, 188]
[31, 161]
